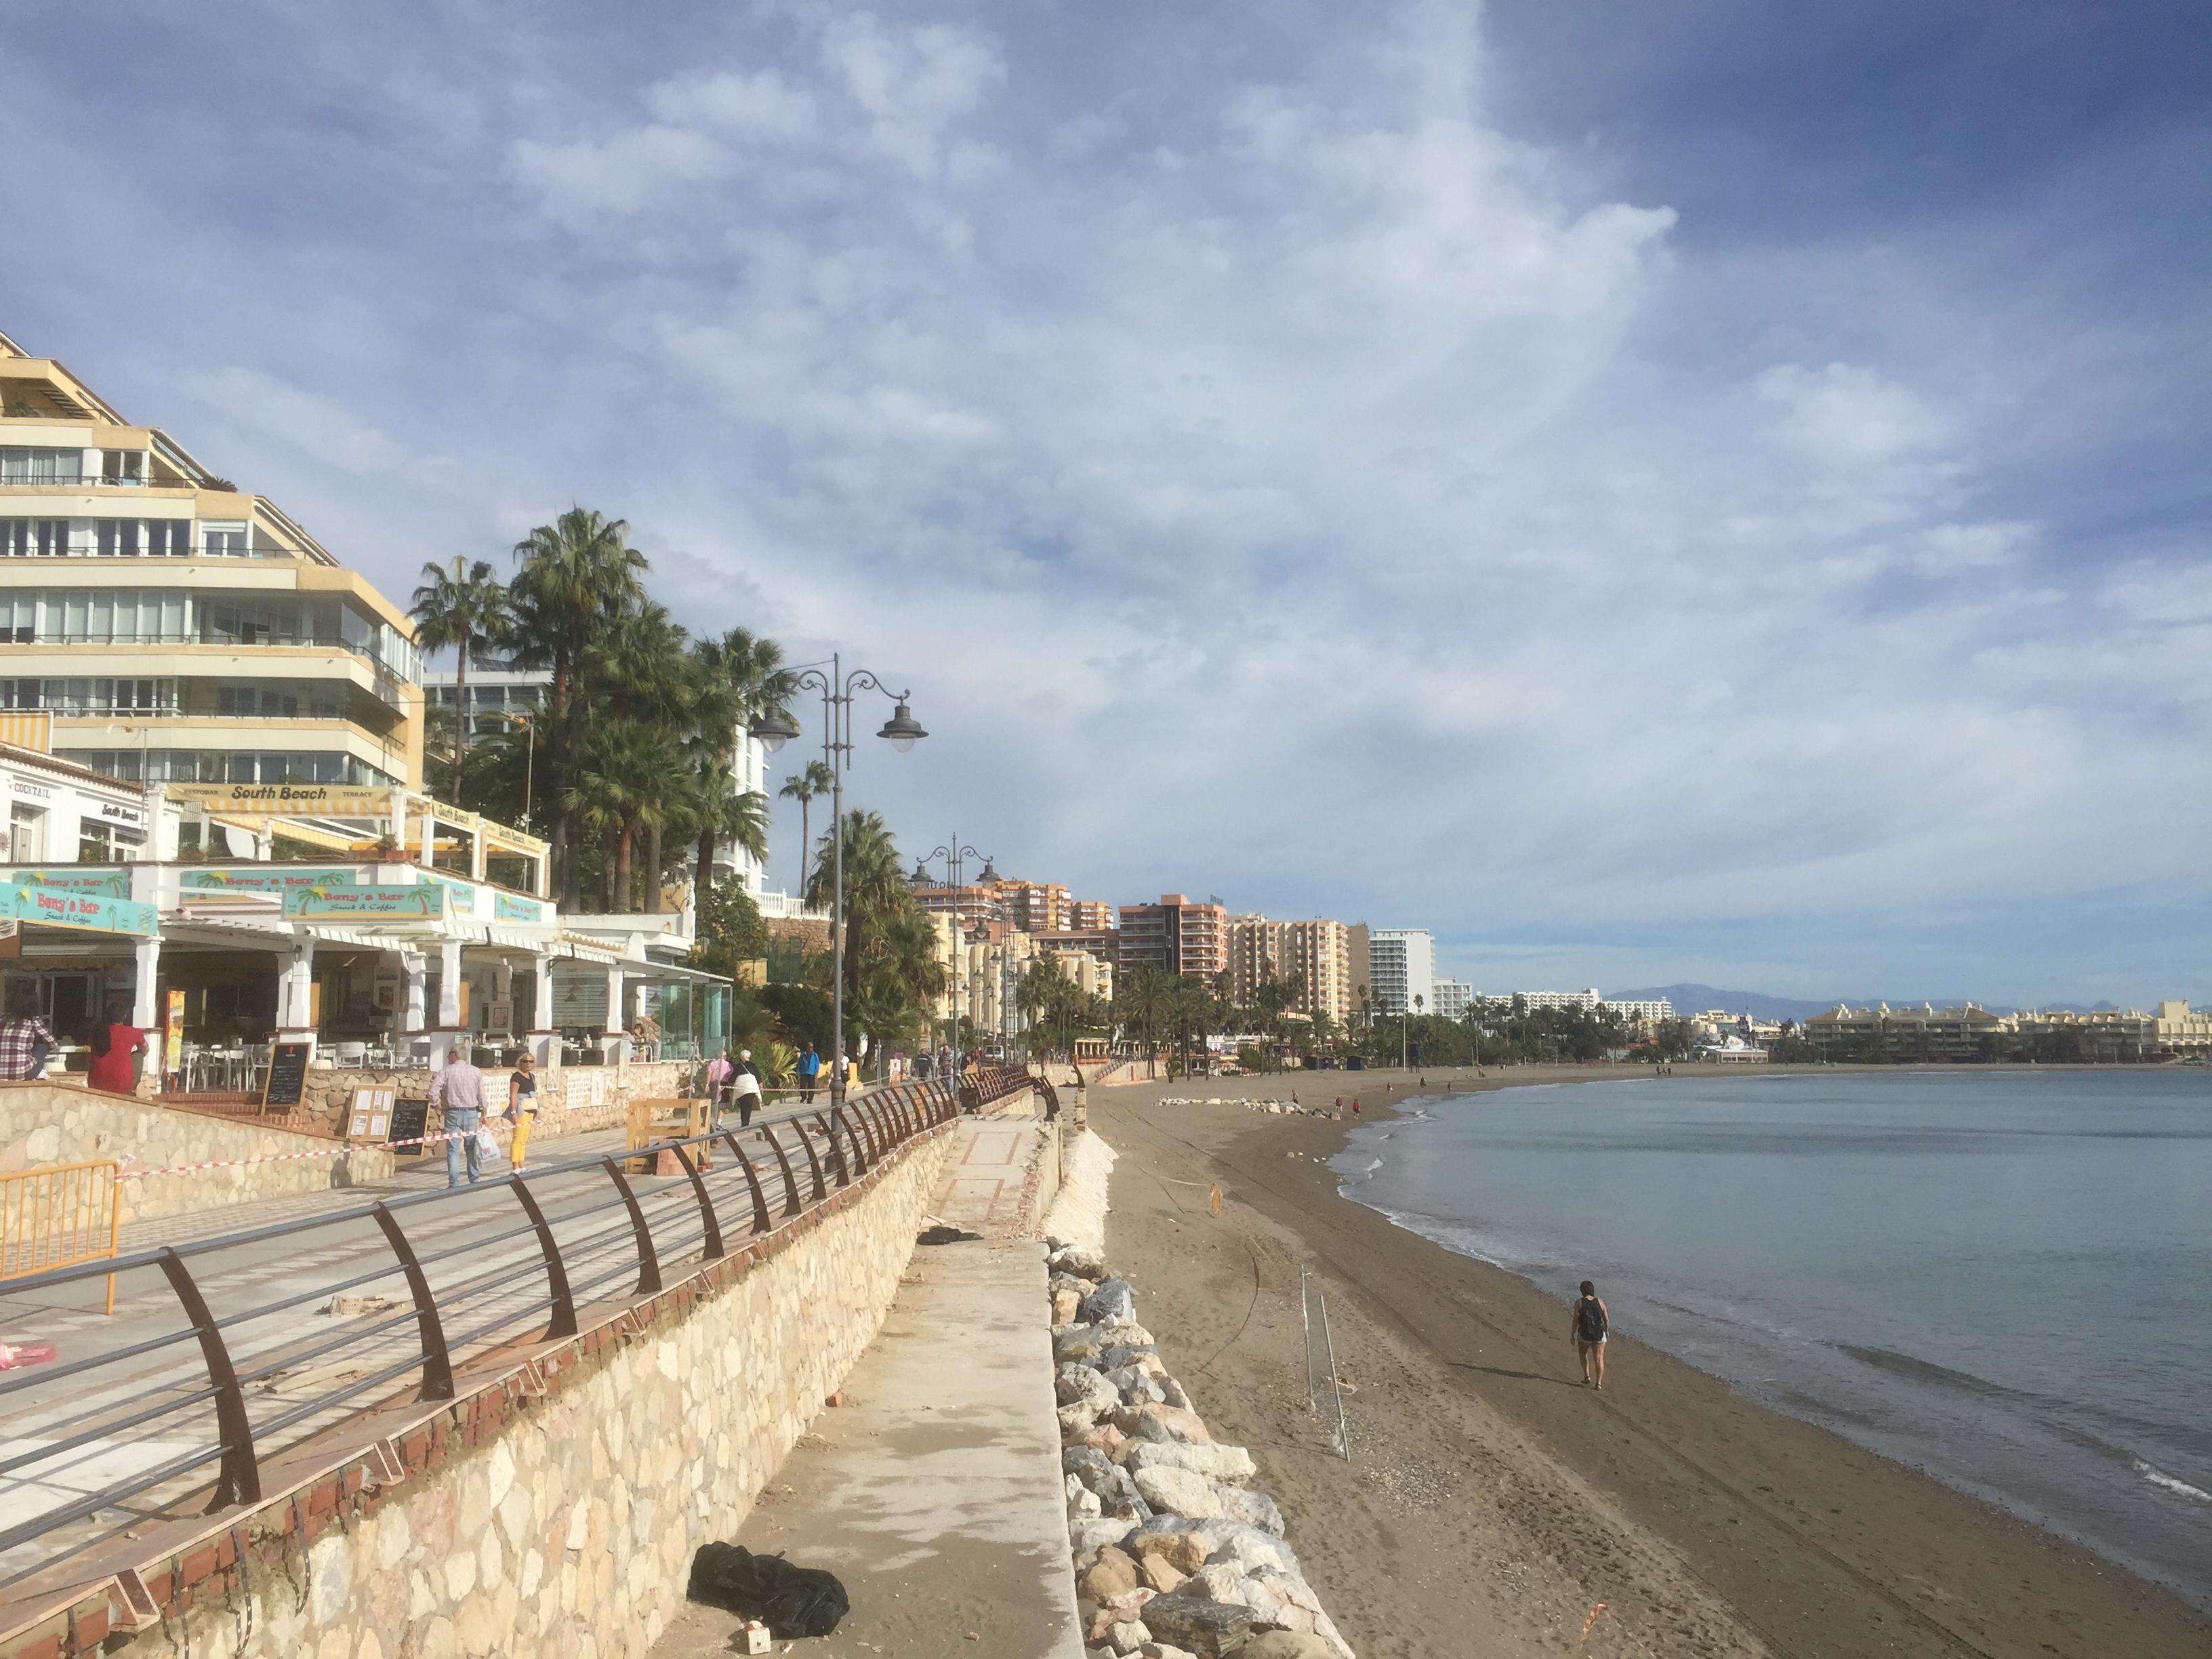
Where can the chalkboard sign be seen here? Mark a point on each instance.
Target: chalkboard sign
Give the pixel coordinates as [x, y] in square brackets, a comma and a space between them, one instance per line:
[287, 1073]
[411, 1119]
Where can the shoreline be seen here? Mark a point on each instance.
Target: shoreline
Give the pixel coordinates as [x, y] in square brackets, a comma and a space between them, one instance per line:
[1703, 1521]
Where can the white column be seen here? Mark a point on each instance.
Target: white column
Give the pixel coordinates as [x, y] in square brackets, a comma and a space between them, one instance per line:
[417, 966]
[502, 982]
[143, 1013]
[617, 1015]
[296, 985]
[449, 984]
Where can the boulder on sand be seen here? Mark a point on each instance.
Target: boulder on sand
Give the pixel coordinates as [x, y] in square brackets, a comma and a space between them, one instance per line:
[1112, 1574]
[1079, 1385]
[1181, 1492]
[1185, 1550]
[1112, 1303]
[1162, 1423]
[1225, 1541]
[1209, 1629]
[1230, 1464]
[1254, 1509]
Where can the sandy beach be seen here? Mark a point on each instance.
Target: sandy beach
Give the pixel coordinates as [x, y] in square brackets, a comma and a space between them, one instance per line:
[1492, 1504]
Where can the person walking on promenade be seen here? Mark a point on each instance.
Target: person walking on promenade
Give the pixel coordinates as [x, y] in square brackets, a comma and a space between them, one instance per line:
[746, 1081]
[1586, 1328]
[25, 1041]
[459, 1091]
[720, 1070]
[521, 1106]
[810, 1072]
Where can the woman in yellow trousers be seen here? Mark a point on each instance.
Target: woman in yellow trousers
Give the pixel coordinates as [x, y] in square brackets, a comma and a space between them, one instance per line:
[522, 1106]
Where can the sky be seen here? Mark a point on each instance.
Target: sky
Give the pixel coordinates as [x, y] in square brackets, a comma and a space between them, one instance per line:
[1676, 490]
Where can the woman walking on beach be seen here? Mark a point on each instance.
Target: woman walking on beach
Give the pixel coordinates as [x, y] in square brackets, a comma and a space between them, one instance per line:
[1586, 1328]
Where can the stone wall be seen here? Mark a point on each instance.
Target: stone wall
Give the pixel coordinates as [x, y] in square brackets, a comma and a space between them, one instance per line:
[551, 1510]
[44, 1123]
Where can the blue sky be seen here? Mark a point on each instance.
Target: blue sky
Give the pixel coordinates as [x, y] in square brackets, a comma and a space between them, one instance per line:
[1650, 492]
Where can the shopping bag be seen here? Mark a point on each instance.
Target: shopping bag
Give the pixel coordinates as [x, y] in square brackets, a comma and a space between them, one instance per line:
[487, 1142]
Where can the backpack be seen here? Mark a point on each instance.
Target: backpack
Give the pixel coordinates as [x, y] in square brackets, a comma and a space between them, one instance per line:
[1589, 1319]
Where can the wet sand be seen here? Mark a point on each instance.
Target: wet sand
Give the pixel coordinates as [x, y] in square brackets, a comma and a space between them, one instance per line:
[1491, 1502]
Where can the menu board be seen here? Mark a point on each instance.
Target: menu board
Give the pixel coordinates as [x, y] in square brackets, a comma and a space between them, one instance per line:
[287, 1073]
[369, 1116]
[411, 1119]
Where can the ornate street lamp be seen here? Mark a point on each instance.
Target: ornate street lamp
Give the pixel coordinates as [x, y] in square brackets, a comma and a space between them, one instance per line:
[956, 857]
[774, 728]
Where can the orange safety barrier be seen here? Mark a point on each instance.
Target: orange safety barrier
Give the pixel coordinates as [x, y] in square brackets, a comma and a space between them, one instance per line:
[58, 1216]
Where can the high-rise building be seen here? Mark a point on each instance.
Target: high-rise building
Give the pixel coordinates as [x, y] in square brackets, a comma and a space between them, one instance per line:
[1316, 957]
[1092, 915]
[1360, 965]
[1403, 962]
[1037, 907]
[1178, 935]
[1453, 996]
[176, 628]
[1255, 953]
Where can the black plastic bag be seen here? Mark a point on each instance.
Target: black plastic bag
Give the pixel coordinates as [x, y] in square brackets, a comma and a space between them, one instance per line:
[791, 1602]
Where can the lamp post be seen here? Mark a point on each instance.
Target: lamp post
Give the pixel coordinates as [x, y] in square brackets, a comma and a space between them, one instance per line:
[956, 858]
[774, 728]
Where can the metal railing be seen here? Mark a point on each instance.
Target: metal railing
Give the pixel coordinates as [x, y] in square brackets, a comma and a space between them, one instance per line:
[987, 1083]
[59, 1217]
[580, 1232]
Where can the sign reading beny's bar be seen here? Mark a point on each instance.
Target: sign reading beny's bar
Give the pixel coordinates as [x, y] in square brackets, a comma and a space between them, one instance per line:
[285, 800]
[417, 902]
[90, 912]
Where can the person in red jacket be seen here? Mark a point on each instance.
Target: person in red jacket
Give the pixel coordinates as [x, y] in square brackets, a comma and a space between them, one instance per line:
[115, 1050]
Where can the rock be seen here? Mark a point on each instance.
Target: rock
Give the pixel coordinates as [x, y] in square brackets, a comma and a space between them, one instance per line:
[1112, 1302]
[1114, 1355]
[1079, 1385]
[1222, 1581]
[1225, 1541]
[1286, 1645]
[1163, 1650]
[1285, 1599]
[1082, 1287]
[1076, 1419]
[1162, 1423]
[1183, 1551]
[1112, 1574]
[1104, 1437]
[1074, 1459]
[1162, 1574]
[1127, 1637]
[1181, 1492]
[1076, 1260]
[1228, 1464]
[1172, 1392]
[1134, 1387]
[1086, 1538]
[1064, 1304]
[1123, 1609]
[1254, 1509]
[1209, 1629]
[1083, 1503]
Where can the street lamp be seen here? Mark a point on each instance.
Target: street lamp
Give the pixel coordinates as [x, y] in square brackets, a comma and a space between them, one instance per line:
[774, 728]
[956, 858]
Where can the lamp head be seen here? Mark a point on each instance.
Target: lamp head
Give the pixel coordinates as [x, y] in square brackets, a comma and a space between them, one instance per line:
[902, 729]
[774, 728]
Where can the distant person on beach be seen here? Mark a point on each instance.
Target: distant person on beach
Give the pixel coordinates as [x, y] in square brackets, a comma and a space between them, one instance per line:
[1586, 1328]
[746, 1082]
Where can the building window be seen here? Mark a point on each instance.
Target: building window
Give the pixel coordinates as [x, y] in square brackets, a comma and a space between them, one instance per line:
[38, 466]
[123, 466]
[26, 834]
[22, 694]
[119, 538]
[169, 538]
[28, 538]
[223, 541]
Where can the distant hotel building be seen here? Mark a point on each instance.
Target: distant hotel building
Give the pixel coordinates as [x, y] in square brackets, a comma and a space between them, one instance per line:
[1315, 958]
[1635, 1010]
[1453, 996]
[175, 628]
[1178, 935]
[1402, 964]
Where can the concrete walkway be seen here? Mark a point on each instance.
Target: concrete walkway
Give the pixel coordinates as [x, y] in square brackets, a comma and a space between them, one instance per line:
[934, 1492]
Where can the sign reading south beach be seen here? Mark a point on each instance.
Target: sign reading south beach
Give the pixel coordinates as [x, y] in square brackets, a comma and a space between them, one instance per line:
[284, 800]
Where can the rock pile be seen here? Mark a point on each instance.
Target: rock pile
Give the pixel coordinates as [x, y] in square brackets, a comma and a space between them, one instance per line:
[1176, 1554]
[1272, 1107]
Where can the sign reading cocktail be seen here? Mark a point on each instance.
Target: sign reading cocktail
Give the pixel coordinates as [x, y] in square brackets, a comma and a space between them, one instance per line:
[368, 901]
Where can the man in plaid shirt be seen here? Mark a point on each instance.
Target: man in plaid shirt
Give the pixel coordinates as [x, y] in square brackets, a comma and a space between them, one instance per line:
[25, 1041]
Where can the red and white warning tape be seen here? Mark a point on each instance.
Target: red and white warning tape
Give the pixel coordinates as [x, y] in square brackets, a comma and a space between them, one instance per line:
[287, 1157]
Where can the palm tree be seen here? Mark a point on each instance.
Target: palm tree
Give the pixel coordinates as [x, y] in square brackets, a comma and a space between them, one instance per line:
[466, 610]
[1141, 1005]
[739, 677]
[875, 884]
[576, 574]
[803, 786]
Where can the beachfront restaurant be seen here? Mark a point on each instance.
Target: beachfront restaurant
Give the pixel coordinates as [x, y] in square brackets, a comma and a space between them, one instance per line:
[379, 964]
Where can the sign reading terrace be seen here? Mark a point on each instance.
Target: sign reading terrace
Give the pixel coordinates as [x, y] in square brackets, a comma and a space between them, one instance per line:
[285, 800]
[422, 902]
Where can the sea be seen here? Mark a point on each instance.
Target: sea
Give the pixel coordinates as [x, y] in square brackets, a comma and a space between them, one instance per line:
[2003, 1279]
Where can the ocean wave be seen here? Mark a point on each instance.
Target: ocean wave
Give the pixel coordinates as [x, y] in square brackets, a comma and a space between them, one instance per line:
[2159, 1477]
[1372, 1167]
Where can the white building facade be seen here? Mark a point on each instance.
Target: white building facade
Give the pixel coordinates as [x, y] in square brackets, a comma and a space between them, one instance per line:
[1453, 996]
[1402, 965]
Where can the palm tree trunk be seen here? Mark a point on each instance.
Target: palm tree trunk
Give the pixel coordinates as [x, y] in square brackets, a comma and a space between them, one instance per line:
[460, 715]
[805, 844]
[703, 867]
[652, 870]
[566, 881]
[624, 897]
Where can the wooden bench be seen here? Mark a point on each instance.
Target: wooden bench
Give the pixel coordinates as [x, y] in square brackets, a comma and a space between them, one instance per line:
[666, 1120]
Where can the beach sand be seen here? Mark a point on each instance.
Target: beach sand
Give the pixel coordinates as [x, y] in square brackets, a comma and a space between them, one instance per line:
[1491, 1503]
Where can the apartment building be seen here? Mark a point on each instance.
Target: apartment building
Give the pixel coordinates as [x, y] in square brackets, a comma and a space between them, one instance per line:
[1037, 907]
[176, 628]
[1922, 1033]
[500, 698]
[1254, 956]
[1402, 965]
[1453, 997]
[1092, 916]
[1178, 935]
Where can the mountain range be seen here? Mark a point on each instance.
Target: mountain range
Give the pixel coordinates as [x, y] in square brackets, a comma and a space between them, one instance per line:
[1696, 999]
